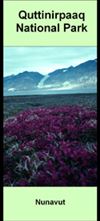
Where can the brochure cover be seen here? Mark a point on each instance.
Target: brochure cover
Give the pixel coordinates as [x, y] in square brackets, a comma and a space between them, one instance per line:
[50, 110]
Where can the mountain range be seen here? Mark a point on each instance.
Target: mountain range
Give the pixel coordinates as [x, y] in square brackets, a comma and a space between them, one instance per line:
[82, 76]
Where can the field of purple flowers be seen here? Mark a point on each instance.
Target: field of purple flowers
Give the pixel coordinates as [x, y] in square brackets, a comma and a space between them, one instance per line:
[51, 146]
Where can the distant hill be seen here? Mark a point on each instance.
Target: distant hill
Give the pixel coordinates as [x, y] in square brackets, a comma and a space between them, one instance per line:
[80, 77]
[83, 75]
[22, 81]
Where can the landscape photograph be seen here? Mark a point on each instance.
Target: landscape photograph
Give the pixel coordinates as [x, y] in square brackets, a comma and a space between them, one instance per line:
[50, 116]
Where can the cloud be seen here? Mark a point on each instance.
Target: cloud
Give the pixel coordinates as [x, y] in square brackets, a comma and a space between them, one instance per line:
[44, 59]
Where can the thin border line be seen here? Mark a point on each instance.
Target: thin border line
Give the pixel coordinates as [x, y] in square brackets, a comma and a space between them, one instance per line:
[49, 0]
[50, 45]
[48, 220]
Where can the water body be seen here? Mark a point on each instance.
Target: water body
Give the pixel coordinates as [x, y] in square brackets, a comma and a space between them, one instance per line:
[40, 91]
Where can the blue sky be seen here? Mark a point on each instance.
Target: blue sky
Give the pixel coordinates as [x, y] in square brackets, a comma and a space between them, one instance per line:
[44, 59]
